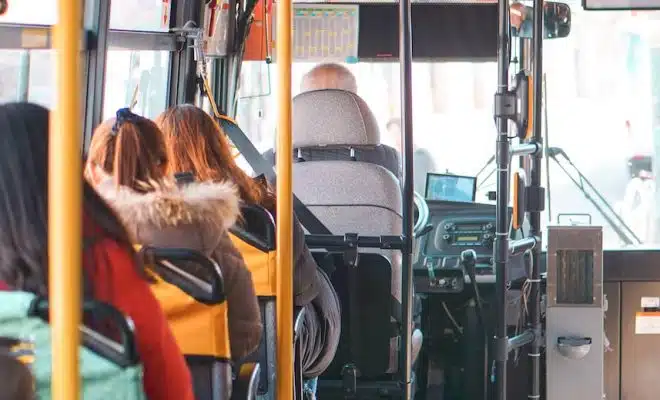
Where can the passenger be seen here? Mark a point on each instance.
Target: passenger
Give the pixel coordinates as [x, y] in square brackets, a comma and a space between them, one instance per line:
[16, 382]
[127, 162]
[110, 273]
[196, 144]
[422, 159]
[329, 76]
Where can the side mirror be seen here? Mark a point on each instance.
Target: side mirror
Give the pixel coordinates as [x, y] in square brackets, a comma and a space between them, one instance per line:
[556, 20]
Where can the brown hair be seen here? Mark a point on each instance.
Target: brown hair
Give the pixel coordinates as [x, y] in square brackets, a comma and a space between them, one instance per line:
[196, 144]
[130, 148]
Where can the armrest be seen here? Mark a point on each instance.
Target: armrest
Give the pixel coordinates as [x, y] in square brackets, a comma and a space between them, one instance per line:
[208, 291]
[257, 227]
[123, 353]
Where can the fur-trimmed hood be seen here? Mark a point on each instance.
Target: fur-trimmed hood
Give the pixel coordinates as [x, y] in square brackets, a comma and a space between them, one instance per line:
[195, 216]
[170, 205]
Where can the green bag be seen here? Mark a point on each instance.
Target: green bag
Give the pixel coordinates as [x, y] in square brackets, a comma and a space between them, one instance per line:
[106, 371]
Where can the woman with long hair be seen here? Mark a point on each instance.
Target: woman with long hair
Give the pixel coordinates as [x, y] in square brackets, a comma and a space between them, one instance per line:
[128, 163]
[110, 271]
[197, 145]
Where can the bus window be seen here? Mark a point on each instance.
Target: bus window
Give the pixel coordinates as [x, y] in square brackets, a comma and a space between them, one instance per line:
[23, 12]
[127, 70]
[136, 15]
[26, 75]
[463, 107]
[9, 70]
[140, 15]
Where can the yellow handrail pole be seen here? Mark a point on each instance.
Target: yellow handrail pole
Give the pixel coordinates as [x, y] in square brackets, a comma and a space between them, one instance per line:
[65, 203]
[284, 304]
[530, 107]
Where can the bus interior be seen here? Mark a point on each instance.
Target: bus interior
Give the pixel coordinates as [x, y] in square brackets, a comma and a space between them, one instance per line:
[588, 258]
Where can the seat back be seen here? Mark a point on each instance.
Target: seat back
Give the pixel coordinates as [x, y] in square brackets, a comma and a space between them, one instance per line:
[190, 290]
[255, 240]
[349, 196]
[367, 325]
[109, 366]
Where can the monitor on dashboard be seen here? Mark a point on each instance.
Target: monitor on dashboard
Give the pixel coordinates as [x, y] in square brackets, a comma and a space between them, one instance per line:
[451, 187]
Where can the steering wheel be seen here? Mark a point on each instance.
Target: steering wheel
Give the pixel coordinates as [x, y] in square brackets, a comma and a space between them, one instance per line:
[422, 215]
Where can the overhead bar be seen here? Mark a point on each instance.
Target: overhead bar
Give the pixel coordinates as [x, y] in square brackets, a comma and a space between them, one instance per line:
[338, 242]
[40, 37]
[153, 41]
[14, 37]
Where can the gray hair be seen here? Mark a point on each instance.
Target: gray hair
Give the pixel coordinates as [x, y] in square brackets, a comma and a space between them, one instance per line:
[329, 76]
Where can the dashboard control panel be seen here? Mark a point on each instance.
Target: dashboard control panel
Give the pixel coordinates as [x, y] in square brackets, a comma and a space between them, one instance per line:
[447, 279]
[460, 233]
[484, 263]
[457, 227]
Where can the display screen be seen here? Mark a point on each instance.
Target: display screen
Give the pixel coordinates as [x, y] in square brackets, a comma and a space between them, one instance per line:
[325, 32]
[451, 187]
[468, 227]
[621, 4]
[467, 239]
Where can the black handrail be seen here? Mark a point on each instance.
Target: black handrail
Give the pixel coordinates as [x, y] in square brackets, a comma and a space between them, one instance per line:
[123, 353]
[338, 242]
[207, 291]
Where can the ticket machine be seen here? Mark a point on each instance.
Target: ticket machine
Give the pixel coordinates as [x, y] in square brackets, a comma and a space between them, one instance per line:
[574, 317]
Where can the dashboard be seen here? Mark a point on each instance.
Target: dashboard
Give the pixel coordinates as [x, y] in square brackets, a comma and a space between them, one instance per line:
[458, 226]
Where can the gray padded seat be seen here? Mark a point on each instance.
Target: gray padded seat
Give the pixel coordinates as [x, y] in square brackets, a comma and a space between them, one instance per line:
[342, 192]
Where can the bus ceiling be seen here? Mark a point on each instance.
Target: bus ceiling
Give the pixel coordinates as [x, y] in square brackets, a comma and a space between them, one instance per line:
[368, 31]
[446, 31]
[621, 5]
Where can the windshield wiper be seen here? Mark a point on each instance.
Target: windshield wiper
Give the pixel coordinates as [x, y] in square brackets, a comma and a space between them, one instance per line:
[593, 195]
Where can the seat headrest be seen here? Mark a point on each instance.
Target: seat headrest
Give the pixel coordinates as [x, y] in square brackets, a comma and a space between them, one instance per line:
[333, 117]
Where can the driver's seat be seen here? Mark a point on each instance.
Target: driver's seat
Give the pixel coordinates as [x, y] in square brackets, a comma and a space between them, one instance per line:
[352, 196]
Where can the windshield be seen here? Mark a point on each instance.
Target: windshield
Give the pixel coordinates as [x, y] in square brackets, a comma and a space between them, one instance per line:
[601, 83]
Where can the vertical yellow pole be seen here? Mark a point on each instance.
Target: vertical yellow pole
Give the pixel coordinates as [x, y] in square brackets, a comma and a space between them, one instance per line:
[284, 204]
[530, 121]
[65, 203]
